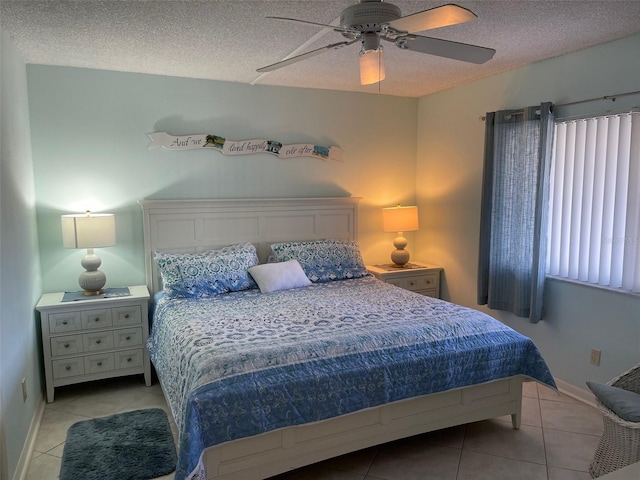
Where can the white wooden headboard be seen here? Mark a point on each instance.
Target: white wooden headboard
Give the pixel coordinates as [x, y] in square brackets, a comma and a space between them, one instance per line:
[190, 226]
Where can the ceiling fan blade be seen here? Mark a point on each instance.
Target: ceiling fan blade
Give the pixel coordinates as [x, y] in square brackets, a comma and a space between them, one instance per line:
[337, 28]
[303, 56]
[433, 18]
[446, 48]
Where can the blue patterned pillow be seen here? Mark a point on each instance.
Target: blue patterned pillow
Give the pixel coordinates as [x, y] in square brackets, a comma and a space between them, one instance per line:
[208, 273]
[323, 260]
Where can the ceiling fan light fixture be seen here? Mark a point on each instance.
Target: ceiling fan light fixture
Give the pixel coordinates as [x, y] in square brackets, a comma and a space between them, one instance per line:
[371, 66]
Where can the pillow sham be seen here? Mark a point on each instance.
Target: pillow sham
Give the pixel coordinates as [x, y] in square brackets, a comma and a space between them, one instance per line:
[323, 260]
[208, 273]
[272, 277]
[624, 403]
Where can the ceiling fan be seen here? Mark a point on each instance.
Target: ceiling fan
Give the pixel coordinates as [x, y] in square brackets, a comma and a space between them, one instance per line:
[370, 21]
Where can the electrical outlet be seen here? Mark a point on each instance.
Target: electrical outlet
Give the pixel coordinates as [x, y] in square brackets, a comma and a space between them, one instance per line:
[24, 389]
[595, 357]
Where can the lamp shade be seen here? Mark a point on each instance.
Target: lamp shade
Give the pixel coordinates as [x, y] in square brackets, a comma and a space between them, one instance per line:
[89, 230]
[400, 219]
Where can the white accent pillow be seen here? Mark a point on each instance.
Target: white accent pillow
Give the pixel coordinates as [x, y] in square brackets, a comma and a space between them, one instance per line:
[272, 277]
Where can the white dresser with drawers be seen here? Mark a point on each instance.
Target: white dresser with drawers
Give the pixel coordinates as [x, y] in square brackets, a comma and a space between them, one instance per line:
[94, 338]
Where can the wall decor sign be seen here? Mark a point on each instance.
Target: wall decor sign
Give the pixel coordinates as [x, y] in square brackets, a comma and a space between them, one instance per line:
[243, 147]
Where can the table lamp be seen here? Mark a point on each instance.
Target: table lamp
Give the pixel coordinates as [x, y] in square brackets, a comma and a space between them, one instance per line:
[400, 219]
[89, 230]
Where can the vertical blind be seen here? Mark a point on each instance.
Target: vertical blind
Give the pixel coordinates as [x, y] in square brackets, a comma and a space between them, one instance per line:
[594, 215]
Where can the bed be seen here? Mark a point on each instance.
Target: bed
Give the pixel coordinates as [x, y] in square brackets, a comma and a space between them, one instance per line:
[264, 377]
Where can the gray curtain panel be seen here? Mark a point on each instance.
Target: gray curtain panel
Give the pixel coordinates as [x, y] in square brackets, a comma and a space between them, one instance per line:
[513, 222]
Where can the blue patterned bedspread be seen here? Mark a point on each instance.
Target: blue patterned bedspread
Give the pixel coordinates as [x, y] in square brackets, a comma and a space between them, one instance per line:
[245, 363]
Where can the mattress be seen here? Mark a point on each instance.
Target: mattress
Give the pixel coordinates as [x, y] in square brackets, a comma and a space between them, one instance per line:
[244, 363]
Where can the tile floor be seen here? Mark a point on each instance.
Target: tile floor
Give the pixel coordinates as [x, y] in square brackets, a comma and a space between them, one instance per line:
[556, 441]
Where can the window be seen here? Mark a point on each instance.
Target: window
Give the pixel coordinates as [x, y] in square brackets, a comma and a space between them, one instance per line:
[594, 218]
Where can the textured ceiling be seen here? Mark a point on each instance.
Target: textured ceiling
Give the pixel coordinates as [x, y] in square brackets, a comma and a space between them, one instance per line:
[229, 40]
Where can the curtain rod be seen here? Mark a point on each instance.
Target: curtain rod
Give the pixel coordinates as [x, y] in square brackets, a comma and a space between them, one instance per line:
[587, 100]
[606, 97]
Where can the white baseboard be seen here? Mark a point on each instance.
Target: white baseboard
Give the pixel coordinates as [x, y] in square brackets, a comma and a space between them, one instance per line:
[27, 449]
[584, 396]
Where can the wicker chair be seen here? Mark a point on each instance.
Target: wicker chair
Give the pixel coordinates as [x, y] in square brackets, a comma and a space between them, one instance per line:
[620, 442]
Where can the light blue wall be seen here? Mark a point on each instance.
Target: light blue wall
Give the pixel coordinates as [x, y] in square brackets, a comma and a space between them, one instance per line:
[449, 178]
[19, 264]
[90, 151]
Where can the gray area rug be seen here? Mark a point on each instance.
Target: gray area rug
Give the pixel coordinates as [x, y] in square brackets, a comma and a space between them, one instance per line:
[132, 445]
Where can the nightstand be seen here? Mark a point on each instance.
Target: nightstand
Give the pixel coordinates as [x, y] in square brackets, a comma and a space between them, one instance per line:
[93, 339]
[416, 276]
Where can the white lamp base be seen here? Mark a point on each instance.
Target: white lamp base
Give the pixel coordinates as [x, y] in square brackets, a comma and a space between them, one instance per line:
[400, 256]
[92, 280]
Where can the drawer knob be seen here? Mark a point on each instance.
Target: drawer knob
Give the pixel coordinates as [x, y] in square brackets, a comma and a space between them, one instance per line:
[128, 337]
[67, 368]
[99, 364]
[65, 322]
[66, 345]
[97, 319]
[126, 315]
[129, 359]
[98, 342]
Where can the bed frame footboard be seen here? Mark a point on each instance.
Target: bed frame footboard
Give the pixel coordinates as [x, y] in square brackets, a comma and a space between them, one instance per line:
[289, 448]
